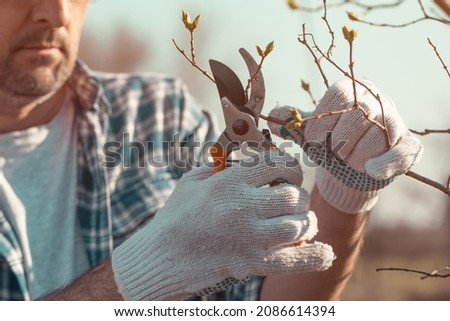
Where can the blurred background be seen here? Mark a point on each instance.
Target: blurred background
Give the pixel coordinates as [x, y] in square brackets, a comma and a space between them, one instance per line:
[410, 227]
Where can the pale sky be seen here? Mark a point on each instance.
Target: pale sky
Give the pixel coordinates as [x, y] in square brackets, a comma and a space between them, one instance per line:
[399, 61]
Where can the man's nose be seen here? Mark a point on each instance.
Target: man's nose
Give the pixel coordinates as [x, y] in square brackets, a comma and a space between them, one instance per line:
[53, 12]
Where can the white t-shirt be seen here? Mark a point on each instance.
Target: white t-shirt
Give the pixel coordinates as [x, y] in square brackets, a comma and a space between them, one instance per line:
[38, 179]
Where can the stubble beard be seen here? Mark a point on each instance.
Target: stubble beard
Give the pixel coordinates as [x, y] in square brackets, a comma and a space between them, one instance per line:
[36, 84]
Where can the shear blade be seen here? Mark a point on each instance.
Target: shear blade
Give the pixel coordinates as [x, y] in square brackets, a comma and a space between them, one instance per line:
[228, 83]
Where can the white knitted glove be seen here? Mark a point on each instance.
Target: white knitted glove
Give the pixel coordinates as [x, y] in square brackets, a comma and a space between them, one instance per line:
[350, 178]
[217, 229]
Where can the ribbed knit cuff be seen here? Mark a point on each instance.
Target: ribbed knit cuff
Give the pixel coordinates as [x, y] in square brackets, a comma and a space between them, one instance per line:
[343, 197]
[143, 274]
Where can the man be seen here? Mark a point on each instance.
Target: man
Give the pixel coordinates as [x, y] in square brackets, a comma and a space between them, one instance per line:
[69, 221]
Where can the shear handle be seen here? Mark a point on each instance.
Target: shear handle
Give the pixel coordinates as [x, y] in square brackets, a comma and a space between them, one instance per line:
[221, 150]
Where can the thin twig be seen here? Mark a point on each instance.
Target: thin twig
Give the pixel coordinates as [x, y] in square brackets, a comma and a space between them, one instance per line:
[313, 117]
[316, 59]
[352, 73]
[375, 6]
[314, 101]
[427, 181]
[426, 16]
[437, 273]
[192, 61]
[192, 44]
[329, 113]
[273, 120]
[383, 119]
[306, 87]
[355, 3]
[434, 274]
[430, 131]
[439, 57]
[422, 7]
[383, 126]
[330, 30]
[406, 24]
[253, 77]
[345, 73]
[376, 96]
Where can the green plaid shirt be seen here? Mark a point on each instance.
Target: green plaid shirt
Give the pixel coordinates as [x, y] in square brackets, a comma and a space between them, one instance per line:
[112, 201]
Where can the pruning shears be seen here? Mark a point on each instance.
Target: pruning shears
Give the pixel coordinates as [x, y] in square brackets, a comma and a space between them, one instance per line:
[241, 111]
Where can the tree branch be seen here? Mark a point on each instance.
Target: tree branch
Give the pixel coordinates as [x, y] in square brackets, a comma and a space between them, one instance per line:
[316, 59]
[330, 30]
[433, 274]
[359, 4]
[345, 73]
[439, 57]
[192, 61]
[430, 131]
[429, 182]
[425, 16]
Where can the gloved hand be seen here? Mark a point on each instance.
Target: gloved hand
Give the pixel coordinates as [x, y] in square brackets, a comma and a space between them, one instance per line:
[355, 162]
[215, 229]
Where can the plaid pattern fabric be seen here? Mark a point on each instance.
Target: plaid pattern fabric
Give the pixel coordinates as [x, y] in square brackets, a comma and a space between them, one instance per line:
[128, 113]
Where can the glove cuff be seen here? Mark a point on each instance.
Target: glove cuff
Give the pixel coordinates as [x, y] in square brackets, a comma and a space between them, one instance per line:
[343, 197]
[142, 274]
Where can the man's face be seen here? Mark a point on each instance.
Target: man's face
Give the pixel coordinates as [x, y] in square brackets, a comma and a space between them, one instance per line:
[38, 45]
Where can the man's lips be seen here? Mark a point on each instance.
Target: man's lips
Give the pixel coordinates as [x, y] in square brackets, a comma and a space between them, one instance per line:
[41, 48]
[41, 55]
